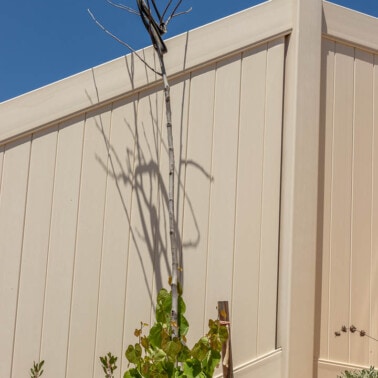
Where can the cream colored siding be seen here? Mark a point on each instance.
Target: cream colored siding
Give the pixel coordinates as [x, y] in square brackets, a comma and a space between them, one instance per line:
[60, 263]
[84, 241]
[85, 244]
[349, 222]
[14, 186]
[35, 245]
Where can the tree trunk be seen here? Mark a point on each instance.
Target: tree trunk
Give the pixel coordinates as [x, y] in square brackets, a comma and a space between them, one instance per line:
[171, 201]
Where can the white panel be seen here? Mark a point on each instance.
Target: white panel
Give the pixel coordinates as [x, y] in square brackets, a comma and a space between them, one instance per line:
[268, 365]
[114, 264]
[102, 234]
[84, 304]
[223, 191]
[180, 93]
[270, 199]
[62, 247]
[34, 253]
[179, 102]
[197, 190]
[341, 201]
[12, 213]
[361, 205]
[249, 205]
[349, 226]
[146, 239]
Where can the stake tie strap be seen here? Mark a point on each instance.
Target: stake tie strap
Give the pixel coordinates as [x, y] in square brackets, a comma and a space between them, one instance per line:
[153, 28]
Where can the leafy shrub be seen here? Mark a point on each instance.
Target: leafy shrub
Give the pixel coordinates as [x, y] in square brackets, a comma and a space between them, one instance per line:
[365, 373]
[158, 355]
[36, 371]
[108, 363]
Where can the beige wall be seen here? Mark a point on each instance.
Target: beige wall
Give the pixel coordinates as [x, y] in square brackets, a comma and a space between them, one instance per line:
[349, 275]
[83, 222]
[83, 226]
[348, 192]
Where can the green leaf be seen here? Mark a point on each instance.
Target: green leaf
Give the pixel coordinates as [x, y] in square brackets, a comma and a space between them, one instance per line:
[184, 354]
[138, 351]
[201, 349]
[181, 305]
[192, 368]
[159, 354]
[211, 362]
[155, 336]
[130, 354]
[179, 374]
[133, 354]
[132, 373]
[163, 296]
[163, 306]
[184, 325]
[172, 348]
[168, 368]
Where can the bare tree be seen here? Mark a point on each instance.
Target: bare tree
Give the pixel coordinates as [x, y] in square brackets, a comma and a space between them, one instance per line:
[156, 22]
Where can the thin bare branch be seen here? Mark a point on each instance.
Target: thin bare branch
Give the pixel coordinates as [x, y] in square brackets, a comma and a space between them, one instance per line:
[124, 7]
[173, 12]
[166, 9]
[177, 14]
[157, 12]
[153, 28]
[122, 43]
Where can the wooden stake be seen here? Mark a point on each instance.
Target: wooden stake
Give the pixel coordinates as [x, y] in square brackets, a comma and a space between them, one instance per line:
[224, 316]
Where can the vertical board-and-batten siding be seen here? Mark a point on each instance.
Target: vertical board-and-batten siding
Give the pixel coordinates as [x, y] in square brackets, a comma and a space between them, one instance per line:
[350, 228]
[83, 223]
[348, 196]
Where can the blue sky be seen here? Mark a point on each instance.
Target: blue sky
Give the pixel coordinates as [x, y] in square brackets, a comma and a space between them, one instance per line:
[42, 41]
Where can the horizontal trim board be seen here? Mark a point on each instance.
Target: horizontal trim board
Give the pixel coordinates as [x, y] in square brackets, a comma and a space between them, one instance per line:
[351, 27]
[127, 75]
[330, 369]
[268, 365]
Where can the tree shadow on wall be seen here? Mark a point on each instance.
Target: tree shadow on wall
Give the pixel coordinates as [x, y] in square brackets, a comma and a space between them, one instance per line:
[140, 170]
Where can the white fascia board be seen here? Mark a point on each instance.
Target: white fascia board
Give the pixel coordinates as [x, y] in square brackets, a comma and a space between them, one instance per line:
[125, 75]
